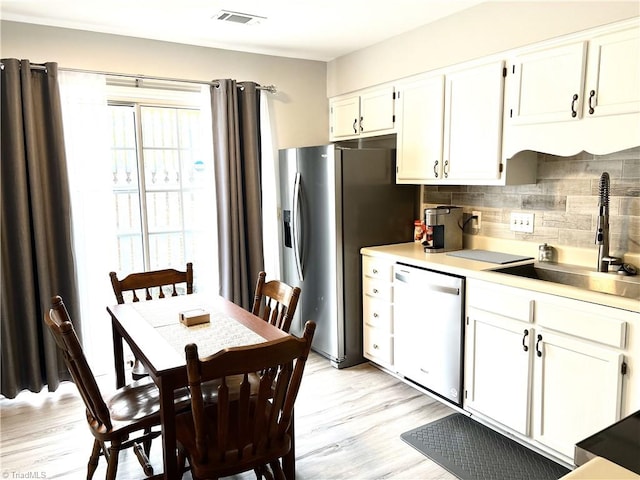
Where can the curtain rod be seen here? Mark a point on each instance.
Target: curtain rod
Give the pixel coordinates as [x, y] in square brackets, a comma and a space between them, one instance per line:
[40, 66]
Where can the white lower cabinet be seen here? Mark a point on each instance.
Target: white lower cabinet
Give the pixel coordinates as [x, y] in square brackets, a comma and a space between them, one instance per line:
[377, 312]
[498, 379]
[577, 387]
[553, 375]
[378, 343]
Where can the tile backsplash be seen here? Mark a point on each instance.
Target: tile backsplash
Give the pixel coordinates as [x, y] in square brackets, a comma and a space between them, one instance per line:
[564, 200]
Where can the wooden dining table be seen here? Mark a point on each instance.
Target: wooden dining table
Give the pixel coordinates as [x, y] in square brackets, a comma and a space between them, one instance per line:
[157, 338]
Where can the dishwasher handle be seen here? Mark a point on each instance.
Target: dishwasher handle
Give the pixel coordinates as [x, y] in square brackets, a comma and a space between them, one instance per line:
[405, 277]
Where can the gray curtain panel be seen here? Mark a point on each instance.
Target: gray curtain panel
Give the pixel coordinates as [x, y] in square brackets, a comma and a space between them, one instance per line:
[236, 139]
[37, 255]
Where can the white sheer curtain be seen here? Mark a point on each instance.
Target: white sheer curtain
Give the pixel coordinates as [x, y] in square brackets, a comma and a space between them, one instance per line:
[205, 260]
[86, 126]
[270, 219]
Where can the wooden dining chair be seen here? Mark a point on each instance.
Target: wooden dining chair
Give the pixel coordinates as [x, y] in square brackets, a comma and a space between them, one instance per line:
[246, 429]
[159, 283]
[113, 418]
[275, 302]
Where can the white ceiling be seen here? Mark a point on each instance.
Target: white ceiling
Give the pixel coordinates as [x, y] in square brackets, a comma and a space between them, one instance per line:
[310, 29]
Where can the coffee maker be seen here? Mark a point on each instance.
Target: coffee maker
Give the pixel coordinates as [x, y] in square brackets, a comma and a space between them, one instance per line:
[444, 229]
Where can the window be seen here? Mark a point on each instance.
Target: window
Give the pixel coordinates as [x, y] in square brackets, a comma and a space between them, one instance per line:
[115, 130]
[161, 185]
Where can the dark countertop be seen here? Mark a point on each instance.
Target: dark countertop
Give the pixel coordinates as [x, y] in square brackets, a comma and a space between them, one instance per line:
[619, 443]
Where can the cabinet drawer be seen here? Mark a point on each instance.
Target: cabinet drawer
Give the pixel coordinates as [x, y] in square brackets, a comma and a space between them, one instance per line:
[378, 345]
[377, 268]
[501, 300]
[377, 288]
[377, 313]
[598, 323]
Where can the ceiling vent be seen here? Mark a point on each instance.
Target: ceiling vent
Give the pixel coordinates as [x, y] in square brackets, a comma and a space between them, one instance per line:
[237, 17]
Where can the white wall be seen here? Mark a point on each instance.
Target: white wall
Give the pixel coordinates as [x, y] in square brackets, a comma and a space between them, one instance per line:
[482, 30]
[300, 108]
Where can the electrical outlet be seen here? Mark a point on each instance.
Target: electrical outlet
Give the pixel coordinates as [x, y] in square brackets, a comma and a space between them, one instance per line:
[521, 222]
[479, 219]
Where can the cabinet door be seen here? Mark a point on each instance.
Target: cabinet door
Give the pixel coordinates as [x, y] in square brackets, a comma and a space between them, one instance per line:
[376, 110]
[473, 123]
[613, 74]
[577, 389]
[345, 116]
[548, 85]
[498, 366]
[420, 129]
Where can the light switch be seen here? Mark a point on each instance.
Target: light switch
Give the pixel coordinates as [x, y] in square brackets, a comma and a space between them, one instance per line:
[521, 222]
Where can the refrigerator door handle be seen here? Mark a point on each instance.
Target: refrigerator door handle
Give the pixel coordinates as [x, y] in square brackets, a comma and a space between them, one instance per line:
[296, 223]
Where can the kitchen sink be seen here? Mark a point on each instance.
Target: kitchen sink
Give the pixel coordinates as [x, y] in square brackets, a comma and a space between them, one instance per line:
[580, 277]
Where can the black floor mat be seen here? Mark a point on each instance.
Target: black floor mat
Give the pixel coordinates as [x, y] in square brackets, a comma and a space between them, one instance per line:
[471, 451]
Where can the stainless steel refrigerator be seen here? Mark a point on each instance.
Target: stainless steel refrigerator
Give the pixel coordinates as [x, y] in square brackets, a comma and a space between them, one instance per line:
[335, 201]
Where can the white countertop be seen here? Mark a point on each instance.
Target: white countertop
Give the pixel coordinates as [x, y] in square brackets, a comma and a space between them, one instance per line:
[413, 254]
[600, 468]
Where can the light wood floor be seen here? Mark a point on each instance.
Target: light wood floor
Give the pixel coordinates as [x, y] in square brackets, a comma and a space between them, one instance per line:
[348, 426]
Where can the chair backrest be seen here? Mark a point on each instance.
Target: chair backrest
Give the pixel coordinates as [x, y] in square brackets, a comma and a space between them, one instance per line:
[151, 280]
[248, 426]
[275, 302]
[59, 323]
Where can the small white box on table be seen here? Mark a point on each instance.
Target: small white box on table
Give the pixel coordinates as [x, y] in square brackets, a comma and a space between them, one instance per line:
[194, 317]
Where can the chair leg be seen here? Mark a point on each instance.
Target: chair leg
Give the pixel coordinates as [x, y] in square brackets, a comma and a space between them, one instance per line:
[263, 471]
[112, 465]
[143, 459]
[93, 459]
[276, 468]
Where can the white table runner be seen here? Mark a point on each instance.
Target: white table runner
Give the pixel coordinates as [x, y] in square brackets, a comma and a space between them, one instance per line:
[221, 332]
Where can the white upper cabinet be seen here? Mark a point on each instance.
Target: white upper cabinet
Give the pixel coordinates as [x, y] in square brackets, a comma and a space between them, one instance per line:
[613, 74]
[582, 94]
[370, 112]
[482, 122]
[450, 129]
[420, 130]
[549, 85]
[345, 116]
[377, 110]
[473, 123]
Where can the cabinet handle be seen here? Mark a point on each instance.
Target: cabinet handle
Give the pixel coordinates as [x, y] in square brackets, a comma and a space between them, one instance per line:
[592, 94]
[573, 105]
[524, 339]
[435, 169]
[355, 123]
[375, 315]
[446, 169]
[375, 346]
[538, 352]
[375, 290]
[361, 119]
[375, 271]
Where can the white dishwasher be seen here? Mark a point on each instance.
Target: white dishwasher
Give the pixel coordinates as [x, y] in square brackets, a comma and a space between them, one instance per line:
[428, 329]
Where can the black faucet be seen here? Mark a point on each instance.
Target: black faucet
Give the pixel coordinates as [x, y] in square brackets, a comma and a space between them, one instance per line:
[602, 230]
